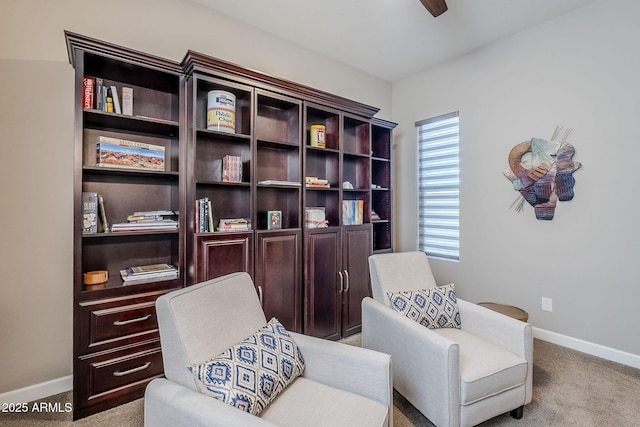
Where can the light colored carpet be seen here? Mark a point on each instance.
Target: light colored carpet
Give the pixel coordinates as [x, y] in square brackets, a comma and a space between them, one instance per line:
[569, 389]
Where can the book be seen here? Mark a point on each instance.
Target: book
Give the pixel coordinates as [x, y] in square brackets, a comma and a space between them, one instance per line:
[88, 87]
[352, 212]
[116, 100]
[89, 212]
[103, 214]
[151, 268]
[209, 215]
[148, 273]
[158, 225]
[127, 101]
[234, 224]
[274, 220]
[98, 94]
[279, 182]
[232, 168]
[121, 153]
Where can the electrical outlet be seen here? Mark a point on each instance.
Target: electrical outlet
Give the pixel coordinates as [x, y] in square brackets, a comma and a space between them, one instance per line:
[547, 304]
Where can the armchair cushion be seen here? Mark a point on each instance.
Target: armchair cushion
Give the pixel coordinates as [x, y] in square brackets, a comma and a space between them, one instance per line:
[433, 308]
[250, 374]
[485, 369]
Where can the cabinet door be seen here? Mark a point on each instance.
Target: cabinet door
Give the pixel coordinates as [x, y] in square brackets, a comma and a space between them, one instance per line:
[220, 254]
[356, 251]
[323, 287]
[278, 276]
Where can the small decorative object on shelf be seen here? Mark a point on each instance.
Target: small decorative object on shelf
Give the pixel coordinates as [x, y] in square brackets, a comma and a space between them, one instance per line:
[318, 133]
[274, 220]
[89, 212]
[315, 218]
[232, 169]
[221, 111]
[121, 153]
[95, 277]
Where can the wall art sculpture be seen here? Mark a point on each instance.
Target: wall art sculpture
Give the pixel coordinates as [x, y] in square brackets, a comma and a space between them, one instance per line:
[542, 172]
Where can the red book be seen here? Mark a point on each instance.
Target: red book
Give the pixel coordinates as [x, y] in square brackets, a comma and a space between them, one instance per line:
[87, 93]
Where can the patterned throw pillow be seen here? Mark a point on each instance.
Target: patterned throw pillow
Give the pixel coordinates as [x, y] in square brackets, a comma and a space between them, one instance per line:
[434, 308]
[251, 374]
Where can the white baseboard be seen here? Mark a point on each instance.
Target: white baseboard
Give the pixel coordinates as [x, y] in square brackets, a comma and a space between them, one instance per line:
[597, 350]
[38, 391]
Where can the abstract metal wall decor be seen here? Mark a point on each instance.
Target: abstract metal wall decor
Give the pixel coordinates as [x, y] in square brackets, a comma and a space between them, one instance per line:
[542, 172]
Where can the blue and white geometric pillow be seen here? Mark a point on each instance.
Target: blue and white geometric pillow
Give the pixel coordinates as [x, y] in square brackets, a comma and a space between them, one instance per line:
[252, 373]
[434, 308]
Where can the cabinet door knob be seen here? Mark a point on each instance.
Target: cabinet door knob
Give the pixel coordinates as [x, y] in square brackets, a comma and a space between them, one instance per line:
[341, 282]
[131, 371]
[346, 279]
[126, 322]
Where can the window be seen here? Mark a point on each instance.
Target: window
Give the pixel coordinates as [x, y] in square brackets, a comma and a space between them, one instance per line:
[438, 186]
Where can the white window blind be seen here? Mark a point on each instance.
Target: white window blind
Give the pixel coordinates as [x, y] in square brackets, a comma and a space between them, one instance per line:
[438, 186]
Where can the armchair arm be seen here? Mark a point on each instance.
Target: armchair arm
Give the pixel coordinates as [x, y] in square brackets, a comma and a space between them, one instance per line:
[504, 331]
[412, 348]
[170, 404]
[346, 367]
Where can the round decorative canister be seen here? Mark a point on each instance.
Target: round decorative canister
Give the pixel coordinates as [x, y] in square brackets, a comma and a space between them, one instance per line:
[318, 133]
[221, 111]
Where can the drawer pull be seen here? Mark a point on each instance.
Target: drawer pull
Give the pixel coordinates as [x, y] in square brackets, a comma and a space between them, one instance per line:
[131, 371]
[126, 322]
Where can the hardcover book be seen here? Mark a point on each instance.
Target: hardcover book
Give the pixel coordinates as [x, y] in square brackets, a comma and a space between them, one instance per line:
[89, 212]
[88, 87]
[121, 153]
[232, 169]
[127, 101]
[116, 100]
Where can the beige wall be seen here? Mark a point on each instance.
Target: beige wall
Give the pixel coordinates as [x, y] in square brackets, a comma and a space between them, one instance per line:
[36, 157]
[581, 71]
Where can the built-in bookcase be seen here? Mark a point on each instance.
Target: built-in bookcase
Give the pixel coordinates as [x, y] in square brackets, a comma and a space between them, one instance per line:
[312, 280]
[116, 342]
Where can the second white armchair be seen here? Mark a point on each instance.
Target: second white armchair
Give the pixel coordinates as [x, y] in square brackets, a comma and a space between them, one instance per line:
[454, 376]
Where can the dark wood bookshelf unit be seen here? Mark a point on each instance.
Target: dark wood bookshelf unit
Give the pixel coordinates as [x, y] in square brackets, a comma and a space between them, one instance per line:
[311, 279]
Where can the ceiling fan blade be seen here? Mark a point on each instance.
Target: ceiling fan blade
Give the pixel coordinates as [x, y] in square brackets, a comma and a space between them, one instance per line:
[435, 7]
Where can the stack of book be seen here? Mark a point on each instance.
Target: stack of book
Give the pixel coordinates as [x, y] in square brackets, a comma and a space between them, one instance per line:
[315, 182]
[234, 224]
[148, 221]
[148, 273]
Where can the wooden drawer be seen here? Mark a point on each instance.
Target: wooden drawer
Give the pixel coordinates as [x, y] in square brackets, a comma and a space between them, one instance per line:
[118, 376]
[118, 321]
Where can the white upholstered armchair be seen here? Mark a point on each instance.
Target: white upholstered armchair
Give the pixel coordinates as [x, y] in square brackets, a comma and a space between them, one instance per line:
[455, 377]
[341, 385]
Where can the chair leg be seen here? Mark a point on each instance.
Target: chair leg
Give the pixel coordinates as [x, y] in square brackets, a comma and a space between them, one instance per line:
[517, 413]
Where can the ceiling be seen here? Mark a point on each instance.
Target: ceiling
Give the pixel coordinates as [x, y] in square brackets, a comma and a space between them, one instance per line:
[392, 39]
